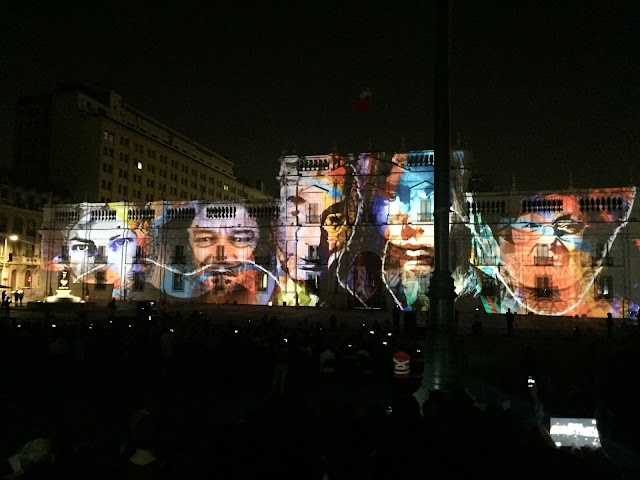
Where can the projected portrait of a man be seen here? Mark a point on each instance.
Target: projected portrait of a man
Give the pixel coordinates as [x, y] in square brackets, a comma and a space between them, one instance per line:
[104, 247]
[231, 258]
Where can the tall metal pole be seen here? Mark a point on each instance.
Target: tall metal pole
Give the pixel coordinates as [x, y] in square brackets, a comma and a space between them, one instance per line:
[438, 371]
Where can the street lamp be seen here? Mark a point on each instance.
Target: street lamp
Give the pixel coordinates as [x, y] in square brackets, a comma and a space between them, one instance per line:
[5, 255]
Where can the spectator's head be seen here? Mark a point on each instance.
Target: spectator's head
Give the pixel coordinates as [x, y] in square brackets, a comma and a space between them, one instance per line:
[144, 433]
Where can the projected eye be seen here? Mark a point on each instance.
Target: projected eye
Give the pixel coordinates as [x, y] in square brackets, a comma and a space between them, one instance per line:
[532, 226]
[569, 226]
[242, 238]
[336, 219]
[86, 248]
[119, 242]
[204, 240]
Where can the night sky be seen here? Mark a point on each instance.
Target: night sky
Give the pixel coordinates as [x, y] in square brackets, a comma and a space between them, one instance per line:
[538, 90]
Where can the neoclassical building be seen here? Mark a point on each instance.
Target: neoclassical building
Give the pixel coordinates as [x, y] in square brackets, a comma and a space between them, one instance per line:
[357, 231]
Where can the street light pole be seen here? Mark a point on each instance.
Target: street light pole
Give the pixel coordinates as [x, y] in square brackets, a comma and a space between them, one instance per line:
[439, 374]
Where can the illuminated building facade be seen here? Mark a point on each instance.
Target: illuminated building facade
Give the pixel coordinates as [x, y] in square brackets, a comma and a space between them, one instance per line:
[20, 219]
[357, 231]
[90, 146]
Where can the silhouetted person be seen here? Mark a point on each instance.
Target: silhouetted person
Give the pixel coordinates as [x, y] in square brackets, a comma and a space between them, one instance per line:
[510, 319]
[609, 323]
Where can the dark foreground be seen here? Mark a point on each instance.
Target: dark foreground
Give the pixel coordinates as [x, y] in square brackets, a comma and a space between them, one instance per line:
[219, 399]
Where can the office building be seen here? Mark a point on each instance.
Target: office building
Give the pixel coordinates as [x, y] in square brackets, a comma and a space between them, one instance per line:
[89, 146]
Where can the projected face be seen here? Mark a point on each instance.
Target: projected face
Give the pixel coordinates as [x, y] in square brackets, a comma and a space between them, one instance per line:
[225, 248]
[98, 252]
[543, 260]
[410, 238]
[550, 255]
[323, 199]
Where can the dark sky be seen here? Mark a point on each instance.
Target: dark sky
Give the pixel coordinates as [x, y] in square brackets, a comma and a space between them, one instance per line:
[538, 89]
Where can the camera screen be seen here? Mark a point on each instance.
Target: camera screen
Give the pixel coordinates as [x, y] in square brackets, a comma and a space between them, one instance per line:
[567, 432]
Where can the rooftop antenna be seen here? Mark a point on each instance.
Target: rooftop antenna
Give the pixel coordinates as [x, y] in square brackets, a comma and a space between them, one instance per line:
[570, 179]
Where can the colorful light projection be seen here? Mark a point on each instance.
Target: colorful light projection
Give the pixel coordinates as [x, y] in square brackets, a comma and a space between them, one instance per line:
[358, 231]
[557, 254]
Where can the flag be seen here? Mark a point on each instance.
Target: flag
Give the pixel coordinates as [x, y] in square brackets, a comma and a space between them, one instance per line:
[363, 103]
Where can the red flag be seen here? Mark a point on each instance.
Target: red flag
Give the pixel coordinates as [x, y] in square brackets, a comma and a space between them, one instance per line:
[363, 103]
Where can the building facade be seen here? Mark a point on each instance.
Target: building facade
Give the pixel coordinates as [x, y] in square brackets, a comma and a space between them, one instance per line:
[90, 146]
[358, 231]
[20, 219]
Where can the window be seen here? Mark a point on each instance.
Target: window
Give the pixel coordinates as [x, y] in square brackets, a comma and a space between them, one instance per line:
[100, 280]
[17, 225]
[178, 282]
[313, 215]
[139, 165]
[138, 281]
[140, 255]
[225, 187]
[543, 257]
[312, 253]
[31, 227]
[425, 211]
[179, 256]
[263, 282]
[220, 253]
[604, 287]
[543, 287]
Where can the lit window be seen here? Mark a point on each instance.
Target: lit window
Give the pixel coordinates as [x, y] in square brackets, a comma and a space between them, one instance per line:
[139, 165]
[226, 187]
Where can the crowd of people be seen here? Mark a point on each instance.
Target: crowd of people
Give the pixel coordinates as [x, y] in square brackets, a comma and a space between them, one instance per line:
[185, 397]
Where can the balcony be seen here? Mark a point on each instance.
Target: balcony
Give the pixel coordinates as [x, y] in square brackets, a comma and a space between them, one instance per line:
[425, 217]
[313, 218]
[543, 293]
[543, 261]
[100, 259]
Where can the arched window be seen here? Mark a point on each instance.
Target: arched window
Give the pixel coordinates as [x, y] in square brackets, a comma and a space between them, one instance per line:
[31, 228]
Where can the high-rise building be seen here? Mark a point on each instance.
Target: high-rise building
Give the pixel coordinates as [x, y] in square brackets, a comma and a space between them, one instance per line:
[90, 146]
